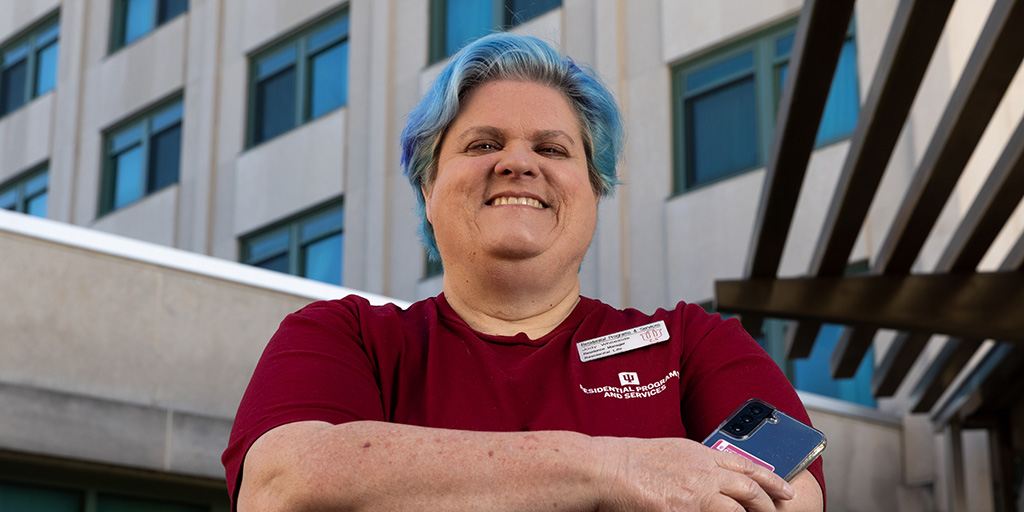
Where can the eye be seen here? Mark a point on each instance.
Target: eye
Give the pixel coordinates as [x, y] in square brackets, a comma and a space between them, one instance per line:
[552, 150]
[482, 146]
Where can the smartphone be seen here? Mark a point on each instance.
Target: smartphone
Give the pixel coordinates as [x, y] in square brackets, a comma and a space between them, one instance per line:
[769, 437]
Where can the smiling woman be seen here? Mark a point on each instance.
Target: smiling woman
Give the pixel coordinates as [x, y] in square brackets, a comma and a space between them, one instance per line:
[508, 391]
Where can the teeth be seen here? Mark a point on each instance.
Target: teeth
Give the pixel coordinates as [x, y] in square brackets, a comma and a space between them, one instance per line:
[525, 201]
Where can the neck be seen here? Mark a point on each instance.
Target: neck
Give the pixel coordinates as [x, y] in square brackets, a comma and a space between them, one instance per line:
[511, 300]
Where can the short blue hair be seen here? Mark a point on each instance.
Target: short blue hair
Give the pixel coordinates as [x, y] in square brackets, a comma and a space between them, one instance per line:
[505, 56]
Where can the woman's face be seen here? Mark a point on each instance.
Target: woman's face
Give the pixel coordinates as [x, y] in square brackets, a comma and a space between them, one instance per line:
[512, 180]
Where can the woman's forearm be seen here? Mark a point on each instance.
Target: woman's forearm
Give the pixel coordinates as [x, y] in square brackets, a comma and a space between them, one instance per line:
[384, 466]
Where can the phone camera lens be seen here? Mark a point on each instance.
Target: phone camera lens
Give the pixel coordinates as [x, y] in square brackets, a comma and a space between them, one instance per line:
[736, 428]
[756, 410]
[746, 418]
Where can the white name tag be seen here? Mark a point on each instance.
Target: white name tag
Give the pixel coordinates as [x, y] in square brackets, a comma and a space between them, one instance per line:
[624, 341]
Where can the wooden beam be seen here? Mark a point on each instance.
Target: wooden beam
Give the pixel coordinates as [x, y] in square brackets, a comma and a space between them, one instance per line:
[982, 305]
[990, 68]
[820, 34]
[908, 48]
[992, 207]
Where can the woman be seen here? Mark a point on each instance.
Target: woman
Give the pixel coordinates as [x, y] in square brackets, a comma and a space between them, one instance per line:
[489, 396]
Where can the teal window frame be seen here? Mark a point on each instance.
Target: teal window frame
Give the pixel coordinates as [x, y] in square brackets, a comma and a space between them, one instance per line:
[760, 59]
[141, 133]
[154, 13]
[292, 239]
[504, 14]
[296, 55]
[27, 193]
[34, 55]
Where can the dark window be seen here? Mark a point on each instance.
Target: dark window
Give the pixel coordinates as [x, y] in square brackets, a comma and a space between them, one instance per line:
[134, 19]
[27, 193]
[28, 65]
[142, 156]
[299, 79]
[309, 245]
[454, 23]
[726, 104]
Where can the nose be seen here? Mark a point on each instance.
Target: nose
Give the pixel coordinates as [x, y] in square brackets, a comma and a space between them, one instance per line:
[517, 160]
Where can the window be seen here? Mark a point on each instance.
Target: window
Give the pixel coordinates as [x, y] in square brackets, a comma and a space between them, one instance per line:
[299, 79]
[725, 106]
[814, 373]
[457, 22]
[28, 65]
[309, 245]
[43, 498]
[136, 18]
[26, 194]
[142, 156]
[431, 267]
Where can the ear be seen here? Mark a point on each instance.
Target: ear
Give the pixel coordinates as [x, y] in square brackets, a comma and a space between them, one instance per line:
[426, 199]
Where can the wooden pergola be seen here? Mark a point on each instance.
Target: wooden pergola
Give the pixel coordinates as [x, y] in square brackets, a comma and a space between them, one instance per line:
[977, 376]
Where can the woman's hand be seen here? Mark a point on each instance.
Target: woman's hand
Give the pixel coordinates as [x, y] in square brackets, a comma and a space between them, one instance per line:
[682, 475]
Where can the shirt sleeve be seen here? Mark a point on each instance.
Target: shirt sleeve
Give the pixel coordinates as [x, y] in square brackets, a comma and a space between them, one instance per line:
[723, 369]
[314, 368]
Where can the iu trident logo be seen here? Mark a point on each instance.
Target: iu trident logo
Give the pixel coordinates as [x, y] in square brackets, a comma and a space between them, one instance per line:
[629, 379]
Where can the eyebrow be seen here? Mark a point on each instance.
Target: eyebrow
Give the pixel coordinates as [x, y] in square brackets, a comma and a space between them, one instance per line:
[493, 131]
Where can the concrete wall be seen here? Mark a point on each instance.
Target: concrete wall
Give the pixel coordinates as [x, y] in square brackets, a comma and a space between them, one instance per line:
[124, 352]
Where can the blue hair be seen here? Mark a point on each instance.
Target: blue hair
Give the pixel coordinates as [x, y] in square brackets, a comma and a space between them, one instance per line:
[504, 56]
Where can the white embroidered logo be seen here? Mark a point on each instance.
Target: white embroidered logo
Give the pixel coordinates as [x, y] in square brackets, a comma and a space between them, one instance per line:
[636, 390]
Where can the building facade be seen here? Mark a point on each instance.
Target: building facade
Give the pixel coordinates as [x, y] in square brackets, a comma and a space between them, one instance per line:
[266, 133]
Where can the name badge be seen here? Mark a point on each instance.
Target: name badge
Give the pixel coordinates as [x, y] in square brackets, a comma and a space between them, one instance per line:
[624, 341]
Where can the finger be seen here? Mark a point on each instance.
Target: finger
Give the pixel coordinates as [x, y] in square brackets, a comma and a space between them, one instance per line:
[772, 484]
[745, 493]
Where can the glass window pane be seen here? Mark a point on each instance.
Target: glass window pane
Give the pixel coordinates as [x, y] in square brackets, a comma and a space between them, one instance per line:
[813, 373]
[328, 35]
[36, 184]
[46, 68]
[521, 11]
[36, 206]
[784, 45]
[12, 86]
[843, 104]
[28, 497]
[322, 259]
[9, 199]
[466, 20]
[138, 19]
[328, 82]
[48, 35]
[275, 105]
[277, 263]
[171, 8]
[164, 158]
[720, 71]
[109, 503]
[276, 62]
[128, 185]
[167, 117]
[266, 245]
[127, 137]
[721, 132]
[16, 54]
[315, 228]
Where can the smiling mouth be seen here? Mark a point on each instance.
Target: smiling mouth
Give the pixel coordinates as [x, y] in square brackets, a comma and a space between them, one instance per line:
[523, 201]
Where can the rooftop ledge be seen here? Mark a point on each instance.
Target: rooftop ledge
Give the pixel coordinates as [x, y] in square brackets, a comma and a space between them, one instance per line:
[176, 259]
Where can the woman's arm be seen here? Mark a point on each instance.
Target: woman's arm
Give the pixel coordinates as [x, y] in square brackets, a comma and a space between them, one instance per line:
[383, 466]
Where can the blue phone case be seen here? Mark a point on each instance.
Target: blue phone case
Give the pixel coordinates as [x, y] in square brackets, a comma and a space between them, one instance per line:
[769, 437]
